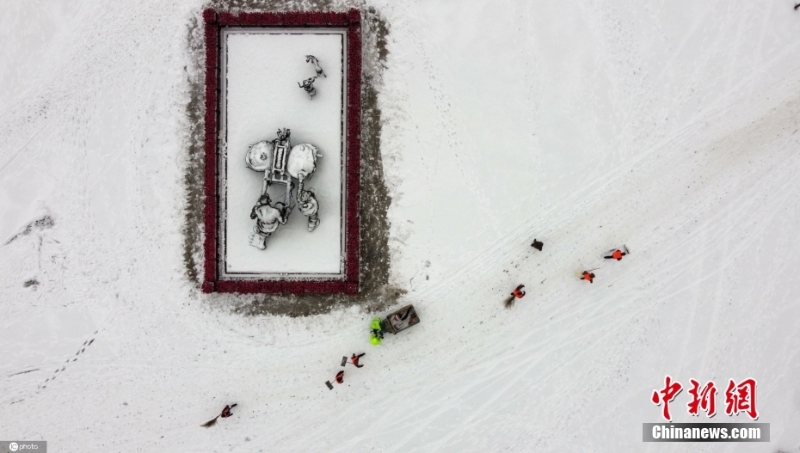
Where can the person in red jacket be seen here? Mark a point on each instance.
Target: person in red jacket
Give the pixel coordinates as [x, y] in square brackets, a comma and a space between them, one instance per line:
[227, 411]
[518, 293]
[225, 414]
[339, 379]
[354, 359]
[616, 254]
[588, 276]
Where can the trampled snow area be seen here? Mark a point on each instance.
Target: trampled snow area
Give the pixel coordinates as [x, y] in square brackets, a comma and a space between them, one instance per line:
[671, 127]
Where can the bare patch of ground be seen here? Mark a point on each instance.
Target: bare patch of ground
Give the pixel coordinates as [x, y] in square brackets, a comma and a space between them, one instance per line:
[375, 292]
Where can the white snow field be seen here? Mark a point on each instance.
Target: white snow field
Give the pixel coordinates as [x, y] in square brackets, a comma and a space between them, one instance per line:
[261, 95]
[671, 127]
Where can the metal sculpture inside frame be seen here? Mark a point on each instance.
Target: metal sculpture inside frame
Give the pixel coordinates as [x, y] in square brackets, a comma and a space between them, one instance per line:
[282, 163]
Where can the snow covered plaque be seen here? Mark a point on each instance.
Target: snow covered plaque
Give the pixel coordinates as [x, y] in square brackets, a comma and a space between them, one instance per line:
[262, 235]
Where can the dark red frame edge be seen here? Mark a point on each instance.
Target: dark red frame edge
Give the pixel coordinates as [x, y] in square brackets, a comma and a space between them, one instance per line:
[352, 20]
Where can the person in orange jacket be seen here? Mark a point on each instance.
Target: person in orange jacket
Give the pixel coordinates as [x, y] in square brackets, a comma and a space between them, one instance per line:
[588, 276]
[616, 254]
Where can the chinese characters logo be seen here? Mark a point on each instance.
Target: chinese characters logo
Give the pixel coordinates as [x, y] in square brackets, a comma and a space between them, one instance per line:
[739, 397]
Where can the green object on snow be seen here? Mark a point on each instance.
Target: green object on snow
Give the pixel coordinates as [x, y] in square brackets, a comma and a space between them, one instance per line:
[375, 331]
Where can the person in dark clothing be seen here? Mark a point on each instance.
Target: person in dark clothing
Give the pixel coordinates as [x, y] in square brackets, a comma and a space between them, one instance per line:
[225, 414]
[227, 411]
[354, 359]
[537, 245]
[340, 377]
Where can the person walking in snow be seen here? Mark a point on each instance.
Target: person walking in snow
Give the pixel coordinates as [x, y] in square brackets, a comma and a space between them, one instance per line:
[339, 379]
[376, 331]
[354, 359]
[226, 412]
[537, 245]
[588, 276]
[616, 254]
[518, 293]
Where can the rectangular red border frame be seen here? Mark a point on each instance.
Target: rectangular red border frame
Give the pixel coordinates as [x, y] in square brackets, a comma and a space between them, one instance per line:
[214, 21]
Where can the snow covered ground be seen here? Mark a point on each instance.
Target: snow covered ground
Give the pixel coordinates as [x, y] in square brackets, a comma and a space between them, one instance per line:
[671, 127]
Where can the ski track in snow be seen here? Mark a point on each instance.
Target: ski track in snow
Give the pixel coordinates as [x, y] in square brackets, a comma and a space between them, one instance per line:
[693, 165]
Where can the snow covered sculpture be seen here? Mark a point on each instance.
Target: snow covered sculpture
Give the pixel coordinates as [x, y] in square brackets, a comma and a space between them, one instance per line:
[309, 206]
[268, 217]
[282, 163]
[315, 61]
[308, 84]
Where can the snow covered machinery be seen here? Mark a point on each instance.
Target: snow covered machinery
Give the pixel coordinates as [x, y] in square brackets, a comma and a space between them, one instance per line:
[282, 163]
